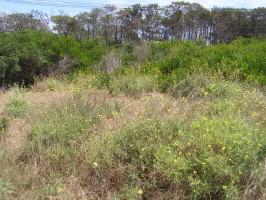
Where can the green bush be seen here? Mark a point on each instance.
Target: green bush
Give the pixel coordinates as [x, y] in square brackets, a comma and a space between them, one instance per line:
[199, 85]
[56, 136]
[28, 54]
[6, 189]
[132, 193]
[133, 85]
[60, 132]
[229, 61]
[184, 68]
[212, 157]
[134, 149]
[16, 106]
[49, 84]
[62, 124]
[192, 86]
[102, 80]
[3, 124]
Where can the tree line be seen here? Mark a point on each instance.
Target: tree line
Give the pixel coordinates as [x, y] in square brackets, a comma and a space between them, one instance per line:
[178, 20]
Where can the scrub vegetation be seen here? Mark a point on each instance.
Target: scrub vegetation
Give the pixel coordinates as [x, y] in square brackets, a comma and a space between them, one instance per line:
[187, 121]
[112, 115]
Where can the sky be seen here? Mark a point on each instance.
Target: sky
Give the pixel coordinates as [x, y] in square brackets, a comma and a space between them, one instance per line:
[16, 6]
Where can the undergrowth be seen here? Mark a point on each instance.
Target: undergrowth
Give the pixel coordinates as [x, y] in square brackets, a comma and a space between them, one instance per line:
[16, 105]
[187, 121]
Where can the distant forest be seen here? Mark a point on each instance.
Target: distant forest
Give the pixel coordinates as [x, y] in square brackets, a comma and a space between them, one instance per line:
[179, 20]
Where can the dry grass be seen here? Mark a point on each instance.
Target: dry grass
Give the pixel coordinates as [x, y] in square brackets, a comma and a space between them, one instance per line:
[16, 135]
[2, 101]
[119, 111]
[130, 110]
[148, 106]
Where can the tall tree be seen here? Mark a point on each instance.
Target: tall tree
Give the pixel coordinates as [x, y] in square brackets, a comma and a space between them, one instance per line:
[108, 23]
[20, 21]
[65, 25]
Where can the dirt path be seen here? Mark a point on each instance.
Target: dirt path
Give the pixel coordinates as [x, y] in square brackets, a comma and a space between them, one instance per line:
[16, 135]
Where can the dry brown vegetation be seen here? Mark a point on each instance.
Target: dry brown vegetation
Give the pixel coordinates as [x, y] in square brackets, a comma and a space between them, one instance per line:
[69, 142]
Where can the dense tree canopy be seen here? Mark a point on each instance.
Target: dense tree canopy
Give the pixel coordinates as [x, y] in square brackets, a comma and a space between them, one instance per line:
[25, 55]
[179, 20]
[34, 44]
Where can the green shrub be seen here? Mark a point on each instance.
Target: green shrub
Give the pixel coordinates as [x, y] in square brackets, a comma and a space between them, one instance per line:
[56, 136]
[131, 193]
[26, 55]
[6, 189]
[137, 144]
[199, 86]
[50, 84]
[102, 80]
[134, 147]
[132, 85]
[170, 65]
[229, 61]
[192, 86]
[60, 132]
[3, 124]
[212, 157]
[62, 124]
[16, 106]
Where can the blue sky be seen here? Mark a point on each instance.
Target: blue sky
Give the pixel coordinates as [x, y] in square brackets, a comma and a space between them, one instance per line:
[6, 6]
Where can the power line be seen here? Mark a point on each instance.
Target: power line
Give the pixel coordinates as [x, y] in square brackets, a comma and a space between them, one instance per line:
[76, 3]
[89, 5]
[65, 4]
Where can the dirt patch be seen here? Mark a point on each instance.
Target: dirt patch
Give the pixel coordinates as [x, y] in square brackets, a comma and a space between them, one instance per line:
[16, 135]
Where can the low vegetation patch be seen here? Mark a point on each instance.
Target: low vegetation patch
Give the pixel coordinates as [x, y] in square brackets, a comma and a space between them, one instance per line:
[133, 85]
[195, 131]
[212, 157]
[3, 125]
[16, 105]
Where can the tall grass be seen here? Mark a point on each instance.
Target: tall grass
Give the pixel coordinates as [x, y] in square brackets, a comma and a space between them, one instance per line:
[16, 105]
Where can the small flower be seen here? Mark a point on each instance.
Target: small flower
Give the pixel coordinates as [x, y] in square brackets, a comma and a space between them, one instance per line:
[140, 191]
[95, 164]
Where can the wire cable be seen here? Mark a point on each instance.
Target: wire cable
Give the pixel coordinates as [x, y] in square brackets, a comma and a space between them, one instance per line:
[65, 4]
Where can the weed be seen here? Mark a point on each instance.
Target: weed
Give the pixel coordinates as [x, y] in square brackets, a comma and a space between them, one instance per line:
[209, 158]
[49, 84]
[3, 124]
[133, 85]
[6, 189]
[16, 105]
